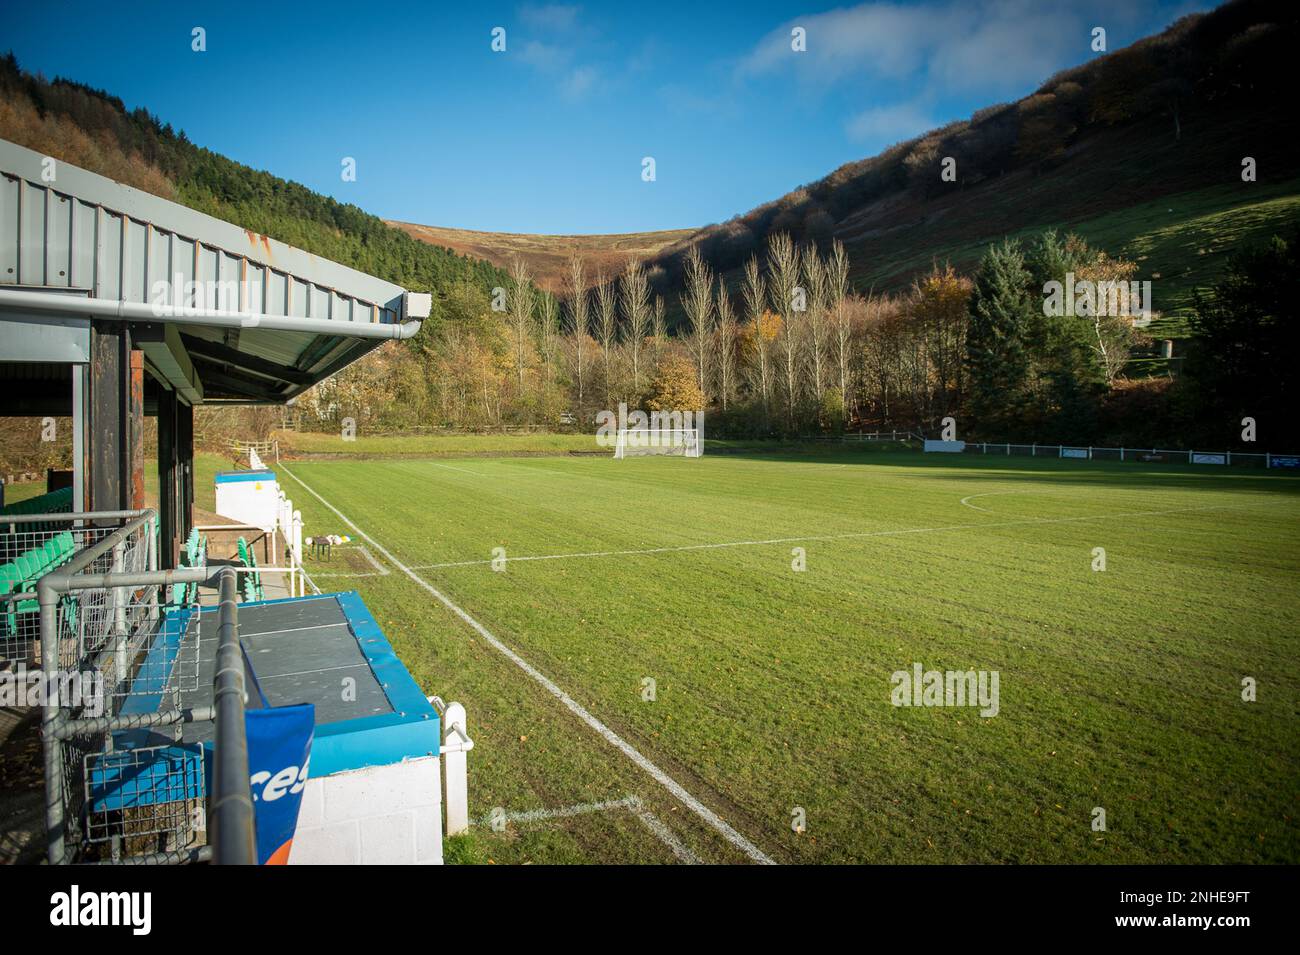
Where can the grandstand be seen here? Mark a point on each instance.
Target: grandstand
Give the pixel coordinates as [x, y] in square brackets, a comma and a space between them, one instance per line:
[205, 663]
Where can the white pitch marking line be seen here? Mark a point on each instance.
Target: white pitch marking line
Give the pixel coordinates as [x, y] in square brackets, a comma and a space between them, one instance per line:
[674, 787]
[539, 815]
[631, 803]
[834, 537]
[365, 552]
[970, 497]
[449, 467]
[380, 569]
[664, 834]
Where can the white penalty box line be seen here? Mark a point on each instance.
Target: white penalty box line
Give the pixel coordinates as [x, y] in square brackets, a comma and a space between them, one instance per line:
[851, 535]
[675, 788]
[631, 804]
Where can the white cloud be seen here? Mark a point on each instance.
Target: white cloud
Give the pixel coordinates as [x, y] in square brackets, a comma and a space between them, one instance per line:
[994, 46]
[891, 124]
[579, 82]
[545, 56]
[555, 17]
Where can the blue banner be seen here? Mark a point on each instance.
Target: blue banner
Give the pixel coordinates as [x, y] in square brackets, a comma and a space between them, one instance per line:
[279, 749]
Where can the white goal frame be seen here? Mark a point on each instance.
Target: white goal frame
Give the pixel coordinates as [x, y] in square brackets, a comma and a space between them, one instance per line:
[687, 442]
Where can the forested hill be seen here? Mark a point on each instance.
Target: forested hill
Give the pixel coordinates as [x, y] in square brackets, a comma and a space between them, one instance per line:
[92, 129]
[1138, 150]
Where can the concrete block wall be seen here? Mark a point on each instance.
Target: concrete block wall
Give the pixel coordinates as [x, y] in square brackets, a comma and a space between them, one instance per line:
[380, 815]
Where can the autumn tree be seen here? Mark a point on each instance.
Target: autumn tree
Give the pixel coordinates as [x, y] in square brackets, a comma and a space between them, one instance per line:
[676, 387]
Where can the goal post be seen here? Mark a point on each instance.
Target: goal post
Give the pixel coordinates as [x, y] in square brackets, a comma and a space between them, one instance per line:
[636, 442]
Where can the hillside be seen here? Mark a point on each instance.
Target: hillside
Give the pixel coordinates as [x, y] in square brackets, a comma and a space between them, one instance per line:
[1139, 151]
[547, 255]
[92, 129]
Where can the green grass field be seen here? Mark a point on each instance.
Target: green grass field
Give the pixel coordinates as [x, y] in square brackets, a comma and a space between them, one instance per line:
[1119, 689]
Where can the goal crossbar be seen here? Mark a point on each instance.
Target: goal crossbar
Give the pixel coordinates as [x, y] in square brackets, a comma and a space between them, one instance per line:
[685, 442]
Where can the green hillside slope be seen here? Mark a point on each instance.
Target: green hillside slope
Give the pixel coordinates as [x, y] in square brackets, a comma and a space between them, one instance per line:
[93, 130]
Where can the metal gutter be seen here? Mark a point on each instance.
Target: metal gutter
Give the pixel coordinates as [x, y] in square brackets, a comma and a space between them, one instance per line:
[43, 303]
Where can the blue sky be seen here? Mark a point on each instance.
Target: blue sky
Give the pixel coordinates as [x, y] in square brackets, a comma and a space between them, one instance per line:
[549, 136]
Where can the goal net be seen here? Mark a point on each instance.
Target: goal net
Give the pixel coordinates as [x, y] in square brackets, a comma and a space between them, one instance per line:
[684, 442]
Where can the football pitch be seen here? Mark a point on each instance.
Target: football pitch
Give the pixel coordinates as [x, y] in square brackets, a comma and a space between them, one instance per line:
[674, 660]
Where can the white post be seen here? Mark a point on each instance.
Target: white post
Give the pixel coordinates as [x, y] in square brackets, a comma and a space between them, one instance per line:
[119, 593]
[1121, 454]
[454, 769]
[297, 545]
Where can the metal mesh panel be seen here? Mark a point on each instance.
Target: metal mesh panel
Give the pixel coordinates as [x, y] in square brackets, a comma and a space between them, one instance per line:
[27, 552]
[151, 797]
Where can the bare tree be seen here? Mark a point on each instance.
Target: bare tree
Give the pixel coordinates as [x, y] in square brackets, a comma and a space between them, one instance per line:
[783, 269]
[521, 315]
[660, 327]
[755, 293]
[578, 321]
[698, 303]
[635, 295]
[815, 284]
[843, 319]
[726, 334]
[606, 323]
[548, 314]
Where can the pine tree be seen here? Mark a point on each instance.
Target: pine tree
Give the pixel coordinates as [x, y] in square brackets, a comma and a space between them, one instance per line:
[997, 360]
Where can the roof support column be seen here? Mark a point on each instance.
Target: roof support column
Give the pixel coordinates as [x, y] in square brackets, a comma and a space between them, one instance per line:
[168, 480]
[185, 468]
[135, 427]
[115, 420]
[109, 344]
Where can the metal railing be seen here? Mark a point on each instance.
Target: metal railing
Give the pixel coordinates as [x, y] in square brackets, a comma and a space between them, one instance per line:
[232, 803]
[1142, 455]
[120, 781]
[23, 542]
[880, 436]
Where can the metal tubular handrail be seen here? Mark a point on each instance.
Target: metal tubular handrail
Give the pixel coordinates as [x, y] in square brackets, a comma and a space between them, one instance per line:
[72, 516]
[233, 838]
[61, 579]
[232, 806]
